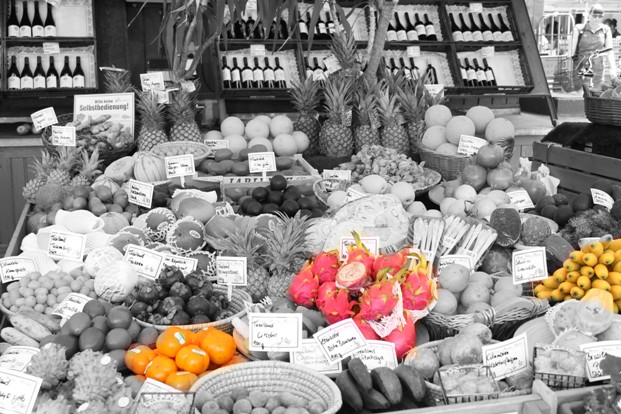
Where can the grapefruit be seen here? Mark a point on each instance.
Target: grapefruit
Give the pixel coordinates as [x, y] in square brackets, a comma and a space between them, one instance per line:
[264, 118]
[302, 141]
[236, 144]
[434, 137]
[257, 128]
[447, 148]
[475, 293]
[437, 115]
[284, 145]
[498, 129]
[232, 126]
[261, 141]
[481, 116]
[281, 124]
[454, 277]
[213, 135]
[458, 126]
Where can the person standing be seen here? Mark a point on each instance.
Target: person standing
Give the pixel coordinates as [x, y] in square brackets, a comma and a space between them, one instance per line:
[612, 23]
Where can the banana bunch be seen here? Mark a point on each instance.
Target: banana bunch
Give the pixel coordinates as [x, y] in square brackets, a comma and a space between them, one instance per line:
[596, 265]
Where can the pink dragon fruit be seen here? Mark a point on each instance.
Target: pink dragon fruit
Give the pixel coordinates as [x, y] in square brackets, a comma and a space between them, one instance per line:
[365, 328]
[393, 262]
[304, 287]
[326, 265]
[353, 276]
[378, 300]
[416, 290]
[335, 304]
[404, 337]
[360, 253]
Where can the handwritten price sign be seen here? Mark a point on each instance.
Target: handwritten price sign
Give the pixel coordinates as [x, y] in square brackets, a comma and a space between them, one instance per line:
[63, 136]
[371, 243]
[274, 331]
[43, 118]
[140, 193]
[261, 162]
[186, 264]
[17, 358]
[73, 303]
[507, 358]
[179, 165]
[214, 145]
[14, 268]
[450, 259]
[18, 392]
[310, 356]
[529, 265]
[66, 245]
[340, 340]
[595, 353]
[470, 145]
[521, 199]
[148, 263]
[232, 270]
[378, 354]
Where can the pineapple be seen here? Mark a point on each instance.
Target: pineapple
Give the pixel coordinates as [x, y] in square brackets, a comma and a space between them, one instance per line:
[41, 169]
[285, 252]
[365, 133]
[306, 98]
[118, 81]
[61, 173]
[152, 121]
[336, 138]
[181, 113]
[393, 133]
[243, 242]
[88, 169]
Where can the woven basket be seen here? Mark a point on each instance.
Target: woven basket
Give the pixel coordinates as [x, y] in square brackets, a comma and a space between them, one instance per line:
[435, 396]
[602, 111]
[225, 325]
[198, 146]
[107, 154]
[323, 188]
[272, 377]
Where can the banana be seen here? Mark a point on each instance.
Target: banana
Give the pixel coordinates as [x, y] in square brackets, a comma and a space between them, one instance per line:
[360, 374]
[600, 284]
[587, 271]
[576, 256]
[573, 276]
[589, 259]
[388, 384]
[584, 282]
[615, 290]
[545, 294]
[351, 395]
[597, 248]
[614, 278]
[570, 265]
[601, 271]
[560, 274]
[557, 295]
[550, 282]
[566, 287]
[412, 381]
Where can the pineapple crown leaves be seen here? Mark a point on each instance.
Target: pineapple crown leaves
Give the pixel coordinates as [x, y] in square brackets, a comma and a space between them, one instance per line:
[395, 82]
[414, 99]
[365, 100]
[182, 106]
[152, 114]
[43, 166]
[89, 165]
[338, 94]
[343, 47]
[241, 242]
[306, 95]
[286, 243]
[388, 107]
[118, 81]
[66, 159]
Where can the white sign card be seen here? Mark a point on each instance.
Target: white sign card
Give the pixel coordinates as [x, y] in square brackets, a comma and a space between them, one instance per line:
[470, 145]
[257, 50]
[378, 354]
[43, 118]
[148, 263]
[14, 268]
[434, 89]
[71, 304]
[507, 358]
[310, 356]
[595, 352]
[371, 243]
[186, 264]
[344, 175]
[51, 48]
[488, 51]
[450, 259]
[152, 81]
[602, 198]
[140, 193]
[274, 331]
[261, 162]
[63, 136]
[353, 194]
[232, 270]
[18, 392]
[179, 165]
[413, 51]
[120, 107]
[214, 145]
[529, 265]
[66, 245]
[154, 392]
[332, 64]
[17, 358]
[476, 7]
[340, 340]
[521, 199]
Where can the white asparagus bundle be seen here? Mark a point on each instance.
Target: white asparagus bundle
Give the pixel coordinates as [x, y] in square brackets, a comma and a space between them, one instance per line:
[477, 241]
[454, 229]
[425, 233]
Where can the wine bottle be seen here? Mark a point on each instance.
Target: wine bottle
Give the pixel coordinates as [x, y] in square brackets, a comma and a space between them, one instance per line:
[273, 32]
[481, 78]
[394, 69]
[464, 74]
[250, 26]
[414, 69]
[465, 29]
[330, 27]
[257, 74]
[25, 26]
[391, 32]
[410, 31]
[318, 73]
[430, 30]
[50, 24]
[12, 22]
[495, 29]
[246, 75]
[308, 70]
[407, 72]
[477, 34]
[322, 31]
[488, 36]
[39, 75]
[400, 29]
[302, 27]
[51, 77]
[420, 27]
[471, 73]
[279, 74]
[268, 74]
[26, 78]
[283, 32]
[239, 30]
[308, 21]
[431, 74]
[458, 36]
[66, 76]
[14, 75]
[37, 23]
[79, 81]
[507, 36]
[489, 73]
[226, 74]
[235, 75]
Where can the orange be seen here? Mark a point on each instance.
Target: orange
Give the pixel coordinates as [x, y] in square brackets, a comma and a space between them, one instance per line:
[193, 359]
[137, 359]
[160, 368]
[200, 334]
[219, 345]
[172, 340]
[237, 359]
[181, 380]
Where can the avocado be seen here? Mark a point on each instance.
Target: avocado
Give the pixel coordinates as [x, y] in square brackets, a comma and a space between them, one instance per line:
[582, 202]
[275, 197]
[563, 214]
[603, 185]
[549, 211]
[269, 208]
[253, 208]
[292, 193]
[259, 193]
[306, 203]
[560, 199]
[544, 201]
[284, 163]
[317, 212]
[241, 168]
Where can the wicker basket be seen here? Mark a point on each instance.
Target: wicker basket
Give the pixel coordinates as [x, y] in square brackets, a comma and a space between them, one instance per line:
[602, 111]
[107, 154]
[323, 188]
[237, 306]
[273, 377]
[198, 146]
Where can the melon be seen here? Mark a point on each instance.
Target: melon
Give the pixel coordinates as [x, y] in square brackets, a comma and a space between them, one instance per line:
[100, 258]
[213, 135]
[302, 141]
[236, 144]
[232, 126]
[499, 129]
[149, 167]
[481, 116]
[121, 170]
[257, 128]
[285, 145]
[437, 115]
[104, 180]
[113, 222]
[281, 124]
[261, 141]
[458, 126]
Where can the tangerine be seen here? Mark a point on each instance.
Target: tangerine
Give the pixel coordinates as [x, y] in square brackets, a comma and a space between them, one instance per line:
[137, 359]
[172, 340]
[181, 380]
[160, 368]
[193, 359]
[219, 345]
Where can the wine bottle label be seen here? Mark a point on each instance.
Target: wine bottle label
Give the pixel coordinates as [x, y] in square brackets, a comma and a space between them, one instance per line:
[407, 73]
[488, 36]
[322, 28]
[26, 82]
[13, 31]
[14, 82]
[489, 75]
[458, 36]
[303, 28]
[235, 76]
[39, 82]
[497, 36]
[66, 81]
[430, 30]
[280, 74]
[331, 28]
[226, 75]
[477, 36]
[420, 29]
[309, 73]
[78, 81]
[51, 82]
[38, 31]
[50, 31]
[402, 36]
[412, 35]
[25, 31]
[464, 74]
[507, 36]
[268, 75]
[391, 36]
[247, 75]
[481, 76]
[472, 75]
[258, 75]
[467, 36]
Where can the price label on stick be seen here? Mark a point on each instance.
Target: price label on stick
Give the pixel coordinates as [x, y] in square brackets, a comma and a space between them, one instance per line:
[153, 81]
[214, 145]
[595, 353]
[43, 118]
[257, 50]
[450, 259]
[371, 243]
[232, 270]
[261, 162]
[309, 355]
[434, 90]
[378, 354]
[19, 392]
[470, 145]
[521, 199]
[51, 48]
[179, 165]
[66, 245]
[17, 358]
[413, 51]
[340, 340]
[332, 64]
[148, 263]
[602, 198]
[344, 175]
[274, 331]
[14, 268]
[186, 264]
[507, 358]
[63, 136]
[529, 265]
[140, 193]
[72, 304]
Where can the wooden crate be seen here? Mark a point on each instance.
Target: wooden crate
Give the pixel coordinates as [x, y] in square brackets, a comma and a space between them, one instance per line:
[577, 170]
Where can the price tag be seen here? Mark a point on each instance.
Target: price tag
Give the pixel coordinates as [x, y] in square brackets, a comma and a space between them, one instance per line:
[140, 193]
[488, 51]
[66, 245]
[162, 96]
[18, 392]
[353, 195]
[179, 165]
[434, 90]
[214, 145]
[14, 268]
[72, 304]
[51, 48]
[17, 358]
[450, 259]
[507, 358]
[332, 64]
[148, 263]
[529, 265]
[344, 175]
[470, 145]
[274, 331]
[371, 243]
[154, 393]
[251, 5]
[521, 199]
[261, 162]
[186, 264]
[63, 136]
[476, 7]
[153, 81]
[257, 50]
[413, 51]
[310, 356]
[232, 270]
[340, 340]
[602, 198]
[43, 118]
[224, 210]
[595, 352]
[378, 354]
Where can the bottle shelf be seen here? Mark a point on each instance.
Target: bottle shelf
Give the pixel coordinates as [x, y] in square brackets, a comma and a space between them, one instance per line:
[34, 93]
[41, 40]
[256, 93]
